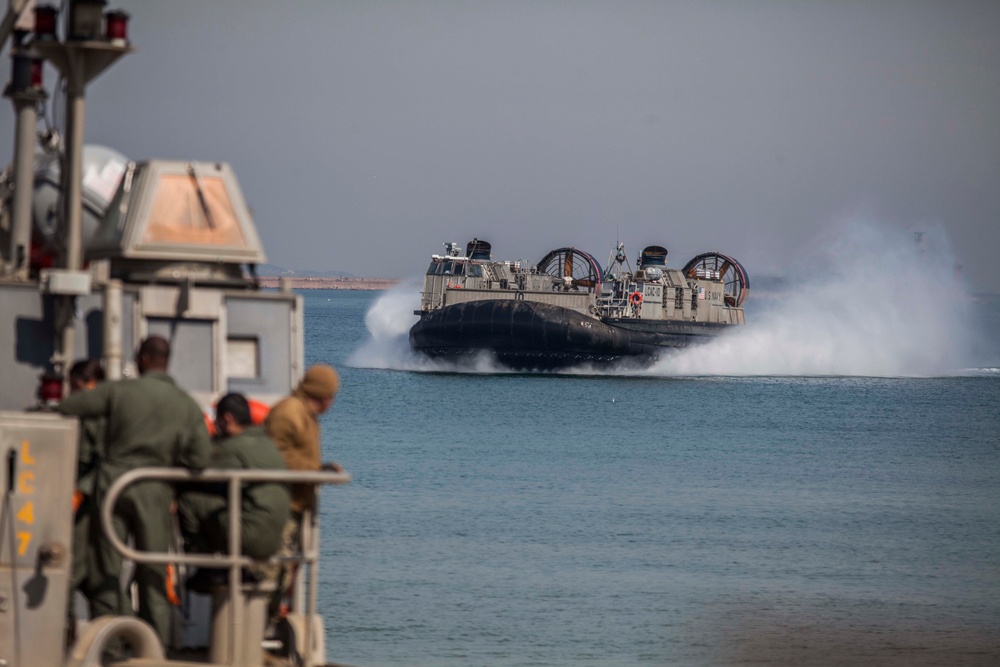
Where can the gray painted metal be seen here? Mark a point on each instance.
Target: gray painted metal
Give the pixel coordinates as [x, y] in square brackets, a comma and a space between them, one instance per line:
[656, 294]
[39, 455]
[103, 167]
[125, 232]
[203, 329]
[26, 342]
[273, 324]
[87, 650]
[26, 105]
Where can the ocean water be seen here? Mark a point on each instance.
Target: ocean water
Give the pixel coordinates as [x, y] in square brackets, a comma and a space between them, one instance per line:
[819, 490]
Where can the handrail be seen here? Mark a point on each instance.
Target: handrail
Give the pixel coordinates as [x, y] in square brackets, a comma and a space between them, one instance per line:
[232, 560]
[235, 479]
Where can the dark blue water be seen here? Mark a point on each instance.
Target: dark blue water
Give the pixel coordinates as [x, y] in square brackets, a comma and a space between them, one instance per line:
[512, 519]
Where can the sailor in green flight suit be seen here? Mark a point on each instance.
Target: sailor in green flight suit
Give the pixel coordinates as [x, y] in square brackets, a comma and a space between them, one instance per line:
[204, 517]
[102, 595]
[150, 422]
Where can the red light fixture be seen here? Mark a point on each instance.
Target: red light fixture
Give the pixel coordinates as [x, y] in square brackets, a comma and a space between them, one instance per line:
[116, 27]
[26, 72]
[45, 22]
[37, 69]
[50, 392]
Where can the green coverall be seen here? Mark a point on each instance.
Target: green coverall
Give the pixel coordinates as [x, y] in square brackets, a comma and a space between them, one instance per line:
[150, 422]
[101, 595]
[202, 508]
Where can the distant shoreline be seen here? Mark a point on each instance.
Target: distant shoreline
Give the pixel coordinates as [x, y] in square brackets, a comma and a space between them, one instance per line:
[366, 284]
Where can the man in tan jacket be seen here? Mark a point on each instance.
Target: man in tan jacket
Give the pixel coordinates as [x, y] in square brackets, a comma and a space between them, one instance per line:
[293, 424]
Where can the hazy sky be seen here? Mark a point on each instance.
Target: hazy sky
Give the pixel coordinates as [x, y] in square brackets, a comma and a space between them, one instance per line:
[366, 134]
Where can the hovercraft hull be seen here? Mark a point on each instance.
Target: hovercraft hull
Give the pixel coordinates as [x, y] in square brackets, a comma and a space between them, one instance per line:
[527, 335]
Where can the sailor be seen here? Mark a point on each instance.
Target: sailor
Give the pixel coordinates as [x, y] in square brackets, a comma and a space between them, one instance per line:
[103, 600]
[202, 509]
[293, 424]
[150, 422]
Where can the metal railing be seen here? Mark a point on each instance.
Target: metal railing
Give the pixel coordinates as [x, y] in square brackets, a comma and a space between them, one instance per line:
[232, 560]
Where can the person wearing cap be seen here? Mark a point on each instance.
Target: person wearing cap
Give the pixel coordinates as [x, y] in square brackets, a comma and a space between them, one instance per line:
[293, 425]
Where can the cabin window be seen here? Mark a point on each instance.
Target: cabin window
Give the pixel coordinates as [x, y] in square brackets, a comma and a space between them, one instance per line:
[474, 270]
[447, 268]
[243, 358]
[197, 211]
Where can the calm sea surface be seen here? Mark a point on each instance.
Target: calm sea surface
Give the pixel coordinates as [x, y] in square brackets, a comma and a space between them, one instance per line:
[519, 519]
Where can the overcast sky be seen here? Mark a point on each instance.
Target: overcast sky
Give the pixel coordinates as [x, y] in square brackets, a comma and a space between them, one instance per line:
[366, 134]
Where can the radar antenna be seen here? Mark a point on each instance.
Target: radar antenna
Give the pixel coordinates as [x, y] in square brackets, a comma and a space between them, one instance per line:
[617, 263]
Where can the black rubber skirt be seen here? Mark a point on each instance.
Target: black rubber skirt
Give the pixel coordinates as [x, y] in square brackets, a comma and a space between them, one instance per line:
[531, 335]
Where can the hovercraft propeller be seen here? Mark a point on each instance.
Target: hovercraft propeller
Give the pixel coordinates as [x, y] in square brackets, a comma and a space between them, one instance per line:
[724, 268]
[572, 267]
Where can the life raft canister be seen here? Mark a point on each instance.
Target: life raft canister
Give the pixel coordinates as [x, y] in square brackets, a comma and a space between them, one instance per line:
[635, 298]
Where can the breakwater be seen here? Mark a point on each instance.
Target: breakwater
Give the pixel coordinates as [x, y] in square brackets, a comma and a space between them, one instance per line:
[365, 284]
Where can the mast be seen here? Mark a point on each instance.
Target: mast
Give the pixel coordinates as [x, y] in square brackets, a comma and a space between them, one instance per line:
[93, 41]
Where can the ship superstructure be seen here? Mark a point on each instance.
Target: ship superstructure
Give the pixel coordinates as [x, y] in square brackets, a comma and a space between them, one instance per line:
[96, 253]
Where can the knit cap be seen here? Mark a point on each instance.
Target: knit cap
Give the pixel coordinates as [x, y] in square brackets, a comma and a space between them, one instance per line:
[320, 382]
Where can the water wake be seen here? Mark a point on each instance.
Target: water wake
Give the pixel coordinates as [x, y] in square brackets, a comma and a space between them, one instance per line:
[389, 321]
[870, 302]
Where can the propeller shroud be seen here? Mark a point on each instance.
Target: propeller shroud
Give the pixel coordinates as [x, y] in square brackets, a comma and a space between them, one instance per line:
[731, 272]
[578, 265]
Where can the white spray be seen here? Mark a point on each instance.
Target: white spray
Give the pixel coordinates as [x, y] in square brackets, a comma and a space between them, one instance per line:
[871, 302]
[389, 321]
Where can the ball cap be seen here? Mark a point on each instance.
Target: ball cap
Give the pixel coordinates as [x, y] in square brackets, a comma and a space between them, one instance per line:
[320, 381]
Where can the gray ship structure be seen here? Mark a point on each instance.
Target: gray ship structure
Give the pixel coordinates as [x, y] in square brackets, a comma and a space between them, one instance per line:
[97, 252]
[567, 311]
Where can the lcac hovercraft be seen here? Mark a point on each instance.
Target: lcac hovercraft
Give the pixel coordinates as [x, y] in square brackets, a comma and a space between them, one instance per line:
[566, 311]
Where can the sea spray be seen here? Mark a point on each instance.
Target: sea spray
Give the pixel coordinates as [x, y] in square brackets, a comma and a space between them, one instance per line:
[870, 301]
[388, 322]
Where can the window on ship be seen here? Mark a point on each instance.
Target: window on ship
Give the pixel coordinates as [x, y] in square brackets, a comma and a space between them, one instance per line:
[446, 268]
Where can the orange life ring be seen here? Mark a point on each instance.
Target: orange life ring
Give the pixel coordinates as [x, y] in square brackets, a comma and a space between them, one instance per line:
[635, 298]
